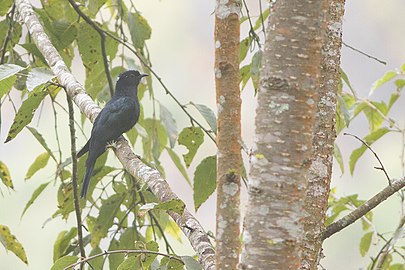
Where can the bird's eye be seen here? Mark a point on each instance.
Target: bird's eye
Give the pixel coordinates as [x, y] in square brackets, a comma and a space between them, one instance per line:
[132, 75]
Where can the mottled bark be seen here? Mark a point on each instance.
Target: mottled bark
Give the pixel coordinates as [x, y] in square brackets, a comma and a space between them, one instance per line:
[158, 186]
[323, 139]
[285, 117]
[229, 160]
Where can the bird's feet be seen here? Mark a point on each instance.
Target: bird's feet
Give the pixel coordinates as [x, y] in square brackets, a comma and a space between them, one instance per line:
[111, 144]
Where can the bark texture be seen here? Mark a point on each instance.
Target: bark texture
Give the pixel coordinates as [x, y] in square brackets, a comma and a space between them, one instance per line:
[285, 120]
[324, 137]
[187, 222]
[229, 160]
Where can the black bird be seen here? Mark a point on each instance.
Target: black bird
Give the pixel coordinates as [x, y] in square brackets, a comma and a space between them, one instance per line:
[119, 115]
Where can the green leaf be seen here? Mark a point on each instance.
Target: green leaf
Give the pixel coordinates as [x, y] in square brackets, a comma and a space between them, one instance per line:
[175, 158]
[114, 260]
[170, 124]
[7, 84]
[5, 176]
[389, 75]
[400, 83]
[205, 180]
[149, 258]
[139, 29]
[208, 115]
[15, 33]
[8, 70]
[397, 266]
[255, 68]
[365, 243]
[63, 262]
[338, 157]
[39, 163]
[62, 243]
[38, 76]
[171, 264]
[108, 210]
[129, 263]
[244, 74]
[156, 140]
[244, 47]
[175, 205]
[262, 19]
[41, 140]
[345, 78]
[26, 112]
[5, 6]
[94, 6]
[366, 220]
[192, 138]
[11, 243]
[98, 262]
[190, 263]
[34, 196]
[369, 139]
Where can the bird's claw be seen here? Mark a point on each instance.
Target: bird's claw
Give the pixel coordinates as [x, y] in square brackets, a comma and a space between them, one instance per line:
[111, 144]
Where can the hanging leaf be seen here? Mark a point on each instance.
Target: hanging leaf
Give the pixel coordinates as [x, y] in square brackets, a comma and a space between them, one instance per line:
[170, 124]
[26, 112]
[139, 29]
[63, 262]
[39, 163]
[369, 139]
[255, 68]
[365, 243]
[34, 196]
[130, 263]
[11, 243]
[108, 210]
[38, 76]
[191, 263]
[244, 74]
[205, 180]
[62, 243]
[208, 115]
[5, 175]
[244, 47]
[41, 140]
[5, 6]
[338, 157]
[389, 75]
[175, 158]
[96, 263]
[7, 77]
[192, 138]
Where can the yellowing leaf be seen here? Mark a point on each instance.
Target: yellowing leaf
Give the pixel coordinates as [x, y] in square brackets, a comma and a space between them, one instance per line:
[39, 163]
[5, 175]
[11, 243]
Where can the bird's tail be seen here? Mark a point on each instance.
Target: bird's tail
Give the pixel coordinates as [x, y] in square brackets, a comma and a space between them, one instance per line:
[87, 178]
[83, 150]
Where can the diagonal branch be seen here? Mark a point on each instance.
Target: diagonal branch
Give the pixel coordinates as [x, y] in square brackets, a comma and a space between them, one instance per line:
[187, 222]
[363, 209]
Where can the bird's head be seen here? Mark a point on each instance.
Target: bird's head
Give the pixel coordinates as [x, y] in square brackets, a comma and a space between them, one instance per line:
[129, 80]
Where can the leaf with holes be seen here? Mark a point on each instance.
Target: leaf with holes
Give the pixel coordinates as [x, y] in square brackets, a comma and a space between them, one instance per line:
[192, 138]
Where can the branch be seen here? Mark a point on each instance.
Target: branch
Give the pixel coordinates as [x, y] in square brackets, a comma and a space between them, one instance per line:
[109, 252]
[365, 54]
[102, 40]
[158, 186]
[74, 177]
[3, 49]
[363, 209]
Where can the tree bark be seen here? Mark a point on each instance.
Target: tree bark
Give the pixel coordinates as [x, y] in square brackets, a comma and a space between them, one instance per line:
[187, 222]
[324, 136]
[285, 122]
[229, 160]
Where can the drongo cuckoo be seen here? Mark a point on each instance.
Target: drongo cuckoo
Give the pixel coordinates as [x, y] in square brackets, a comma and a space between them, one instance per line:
[119, 115]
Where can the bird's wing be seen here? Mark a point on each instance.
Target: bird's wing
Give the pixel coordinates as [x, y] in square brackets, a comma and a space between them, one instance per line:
[114, 119]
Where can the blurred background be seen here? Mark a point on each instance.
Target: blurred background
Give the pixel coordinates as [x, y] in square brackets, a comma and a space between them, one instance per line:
[182, 53]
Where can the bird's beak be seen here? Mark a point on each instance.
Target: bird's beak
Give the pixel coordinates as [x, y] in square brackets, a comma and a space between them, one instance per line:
[143, 75]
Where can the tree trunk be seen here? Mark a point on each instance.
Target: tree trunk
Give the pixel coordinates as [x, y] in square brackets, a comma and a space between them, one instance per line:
[229, 160]
[324, 137]
[285, 120]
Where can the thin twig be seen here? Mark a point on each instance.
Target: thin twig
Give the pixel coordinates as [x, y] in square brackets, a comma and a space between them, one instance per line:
[363, 209]
[382, 168]
[101, 32]
[365, 54]
[10, 16]
[74, 178]
[109, 252]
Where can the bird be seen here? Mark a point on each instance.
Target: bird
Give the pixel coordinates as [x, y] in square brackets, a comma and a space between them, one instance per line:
[119, 115]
